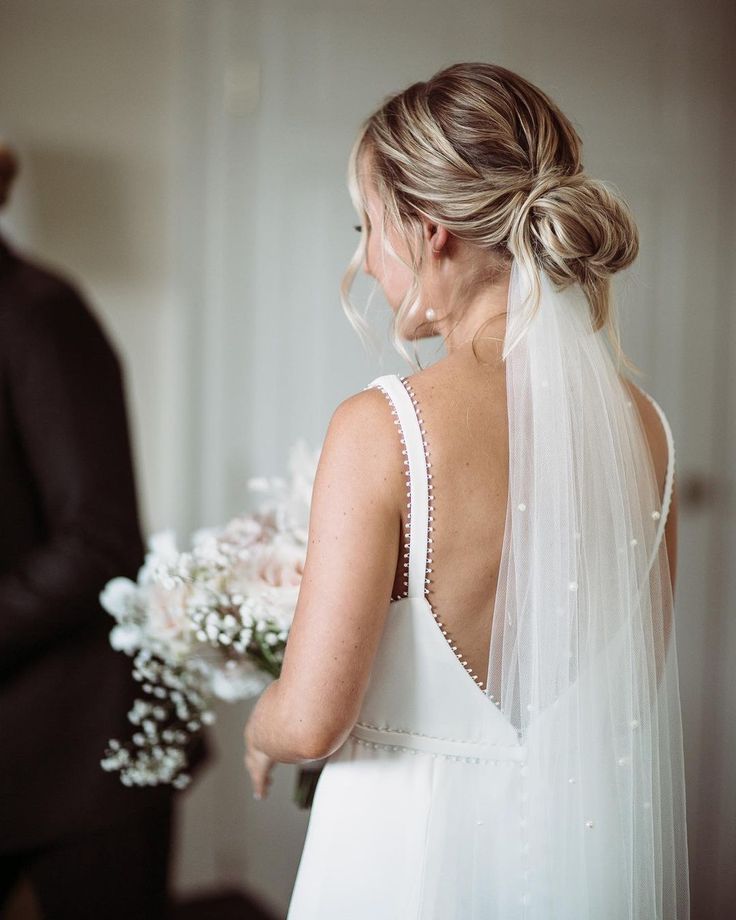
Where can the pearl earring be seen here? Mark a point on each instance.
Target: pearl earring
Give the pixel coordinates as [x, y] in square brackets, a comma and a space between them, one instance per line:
[430, 314]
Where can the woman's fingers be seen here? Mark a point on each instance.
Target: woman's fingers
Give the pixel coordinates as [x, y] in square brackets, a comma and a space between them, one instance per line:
[259, 766]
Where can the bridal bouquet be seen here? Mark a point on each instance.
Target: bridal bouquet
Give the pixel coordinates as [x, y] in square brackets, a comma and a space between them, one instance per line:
[209, 623]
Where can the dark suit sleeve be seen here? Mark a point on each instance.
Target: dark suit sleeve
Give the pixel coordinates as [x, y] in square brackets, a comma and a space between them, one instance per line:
[66, 394]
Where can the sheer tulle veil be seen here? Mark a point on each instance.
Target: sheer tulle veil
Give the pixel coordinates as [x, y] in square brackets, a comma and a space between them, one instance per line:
[583, 660]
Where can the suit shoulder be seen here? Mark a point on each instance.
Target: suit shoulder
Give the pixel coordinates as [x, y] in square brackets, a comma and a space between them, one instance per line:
[36, 300]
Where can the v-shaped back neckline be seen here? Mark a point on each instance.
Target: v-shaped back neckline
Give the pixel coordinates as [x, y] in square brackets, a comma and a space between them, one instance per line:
[417, 553]
[418, 541]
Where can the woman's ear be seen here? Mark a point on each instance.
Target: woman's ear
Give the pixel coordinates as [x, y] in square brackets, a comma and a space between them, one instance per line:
[435, 235]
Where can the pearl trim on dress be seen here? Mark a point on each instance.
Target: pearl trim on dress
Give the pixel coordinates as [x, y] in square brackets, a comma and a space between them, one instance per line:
[430, 529]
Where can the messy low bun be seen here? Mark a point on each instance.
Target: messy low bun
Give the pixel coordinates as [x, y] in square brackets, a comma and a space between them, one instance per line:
[577, 230]
[487, 154]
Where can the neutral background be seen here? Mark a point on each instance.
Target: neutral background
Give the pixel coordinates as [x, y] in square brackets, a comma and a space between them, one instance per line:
[185, 162]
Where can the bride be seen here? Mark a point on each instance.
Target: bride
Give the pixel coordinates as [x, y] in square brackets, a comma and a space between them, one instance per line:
[484, 642]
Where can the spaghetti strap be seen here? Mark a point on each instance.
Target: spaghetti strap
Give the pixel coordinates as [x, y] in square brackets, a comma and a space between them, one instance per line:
[419, 488]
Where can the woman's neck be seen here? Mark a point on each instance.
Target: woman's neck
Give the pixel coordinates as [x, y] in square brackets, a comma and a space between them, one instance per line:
[484, 317]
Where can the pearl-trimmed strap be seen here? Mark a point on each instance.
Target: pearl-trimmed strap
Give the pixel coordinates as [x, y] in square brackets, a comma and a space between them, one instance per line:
[669, 478]
[415, 549]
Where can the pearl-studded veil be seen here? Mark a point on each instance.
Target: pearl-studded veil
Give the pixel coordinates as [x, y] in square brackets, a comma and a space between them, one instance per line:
[583, 659]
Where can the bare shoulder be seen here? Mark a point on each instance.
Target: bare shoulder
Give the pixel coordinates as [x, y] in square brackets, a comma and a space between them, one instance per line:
[653, 426]
[659, 447]
[363, 416]
[362, 438]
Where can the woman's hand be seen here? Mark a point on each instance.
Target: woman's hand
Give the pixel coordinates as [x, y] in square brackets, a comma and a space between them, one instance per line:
[258, 764]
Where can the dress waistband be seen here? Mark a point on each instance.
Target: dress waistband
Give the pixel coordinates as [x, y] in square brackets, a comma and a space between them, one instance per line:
[472, 751]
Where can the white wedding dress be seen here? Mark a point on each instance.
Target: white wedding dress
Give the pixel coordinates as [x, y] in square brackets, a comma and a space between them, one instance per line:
[421, 812]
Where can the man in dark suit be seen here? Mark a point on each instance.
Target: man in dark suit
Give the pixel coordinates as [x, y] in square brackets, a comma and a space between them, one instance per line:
[89, 847]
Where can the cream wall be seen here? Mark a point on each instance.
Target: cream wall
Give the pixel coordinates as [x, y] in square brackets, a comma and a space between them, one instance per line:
[186, 160]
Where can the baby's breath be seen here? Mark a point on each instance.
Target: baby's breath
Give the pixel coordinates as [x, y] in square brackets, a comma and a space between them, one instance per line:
[207, 623]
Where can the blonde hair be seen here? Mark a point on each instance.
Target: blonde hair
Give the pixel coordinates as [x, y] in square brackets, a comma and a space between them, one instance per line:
[488, 155]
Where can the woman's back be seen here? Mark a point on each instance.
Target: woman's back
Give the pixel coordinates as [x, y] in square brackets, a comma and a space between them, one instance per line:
[462, 403]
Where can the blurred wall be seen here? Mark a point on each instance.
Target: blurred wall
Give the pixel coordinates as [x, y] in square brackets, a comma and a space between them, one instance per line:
[87, 97]
[186, 161]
